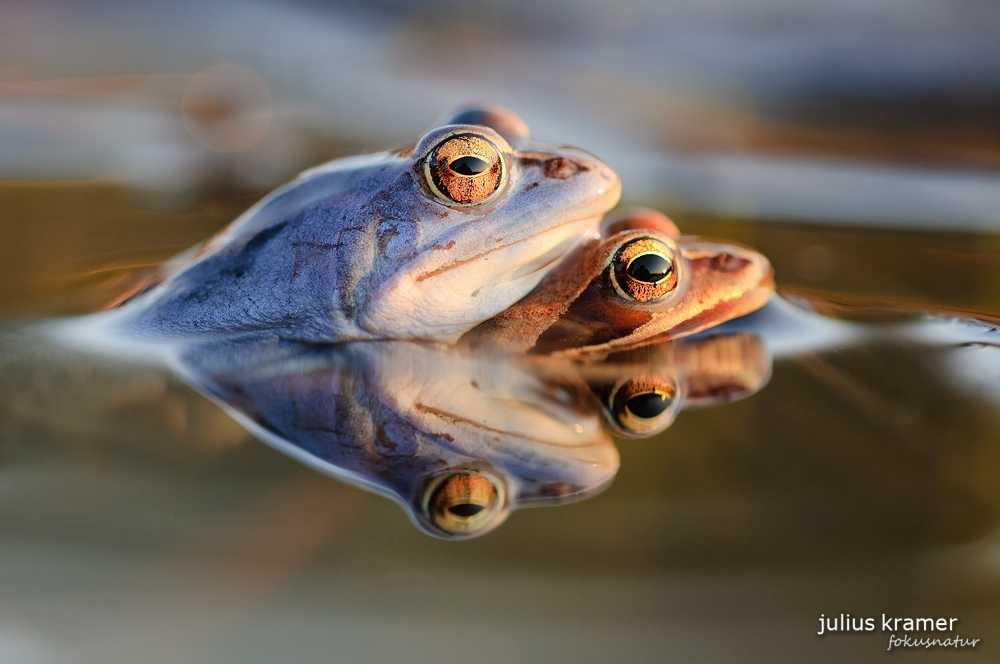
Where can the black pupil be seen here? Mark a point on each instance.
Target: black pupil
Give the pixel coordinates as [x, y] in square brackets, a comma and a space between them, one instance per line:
[649, 268]
[465, 510]
[468, 165]
[648, 405]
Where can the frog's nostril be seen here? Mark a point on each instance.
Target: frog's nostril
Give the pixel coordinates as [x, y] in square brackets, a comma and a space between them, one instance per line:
[563, 168]
[728, 263]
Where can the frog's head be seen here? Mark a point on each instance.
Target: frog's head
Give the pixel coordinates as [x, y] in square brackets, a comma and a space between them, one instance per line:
[492, 218]
[640, 282]
[420, 243]
[652, 284]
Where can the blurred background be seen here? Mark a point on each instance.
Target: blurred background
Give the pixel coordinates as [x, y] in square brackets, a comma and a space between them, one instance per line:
[857, 144]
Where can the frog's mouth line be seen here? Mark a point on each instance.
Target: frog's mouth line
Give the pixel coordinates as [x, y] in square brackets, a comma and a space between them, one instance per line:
[531, 267]
[551, 256]
[458, 419]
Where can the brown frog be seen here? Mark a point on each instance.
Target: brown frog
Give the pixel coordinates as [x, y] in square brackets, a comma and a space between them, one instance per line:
[639, 283]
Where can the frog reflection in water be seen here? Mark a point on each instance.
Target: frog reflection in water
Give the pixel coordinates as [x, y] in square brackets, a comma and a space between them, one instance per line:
[460, 440]
[428, 243]
[399, 245]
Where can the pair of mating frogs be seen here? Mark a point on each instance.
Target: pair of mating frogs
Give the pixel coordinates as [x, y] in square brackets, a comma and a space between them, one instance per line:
[477, 236]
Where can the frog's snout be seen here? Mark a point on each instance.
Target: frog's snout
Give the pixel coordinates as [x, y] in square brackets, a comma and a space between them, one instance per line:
[572, 172]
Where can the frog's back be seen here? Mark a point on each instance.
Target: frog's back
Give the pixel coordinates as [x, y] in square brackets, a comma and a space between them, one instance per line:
[309, 244]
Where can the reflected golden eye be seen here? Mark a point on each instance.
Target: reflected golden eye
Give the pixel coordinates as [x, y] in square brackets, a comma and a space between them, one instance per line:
[644, 269]
[462, 502]
[465, 169]
[643, 406]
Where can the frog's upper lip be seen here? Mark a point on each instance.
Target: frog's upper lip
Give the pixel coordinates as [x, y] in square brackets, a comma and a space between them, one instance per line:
[521, 272]
[456, 297]
[525, 256]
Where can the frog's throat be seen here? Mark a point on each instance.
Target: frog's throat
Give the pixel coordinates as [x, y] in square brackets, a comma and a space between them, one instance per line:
[443, 303]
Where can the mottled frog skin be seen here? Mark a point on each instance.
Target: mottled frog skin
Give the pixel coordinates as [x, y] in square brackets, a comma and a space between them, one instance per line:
[420, 243]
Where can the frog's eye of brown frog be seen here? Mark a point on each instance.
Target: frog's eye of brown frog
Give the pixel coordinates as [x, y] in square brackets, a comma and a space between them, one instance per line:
[642, 267]
[642, 406]
[464, 169]
[462, 503]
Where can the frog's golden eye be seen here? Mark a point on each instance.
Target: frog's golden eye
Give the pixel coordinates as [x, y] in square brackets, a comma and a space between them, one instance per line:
[462, 503]
[643, 406]
[464, 169]
[644, 269]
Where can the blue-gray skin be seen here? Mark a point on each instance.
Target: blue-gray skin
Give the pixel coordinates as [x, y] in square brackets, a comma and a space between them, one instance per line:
[369, 247]
[460, 440]
[457, 441]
